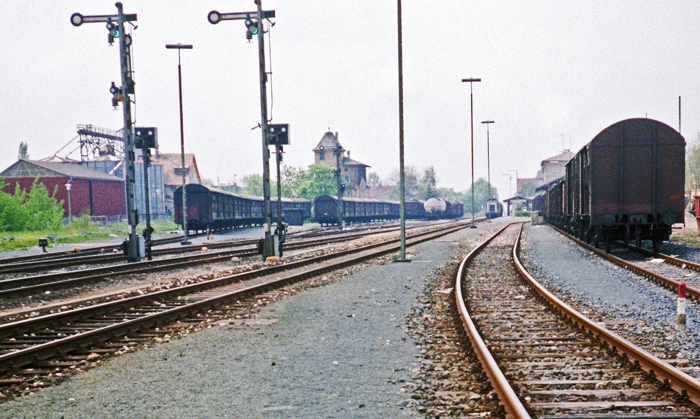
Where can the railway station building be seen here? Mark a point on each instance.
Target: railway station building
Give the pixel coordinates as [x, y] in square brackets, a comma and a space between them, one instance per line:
[329, 152]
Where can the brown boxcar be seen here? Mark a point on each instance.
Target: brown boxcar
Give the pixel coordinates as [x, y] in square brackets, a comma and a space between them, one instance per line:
[627, 184]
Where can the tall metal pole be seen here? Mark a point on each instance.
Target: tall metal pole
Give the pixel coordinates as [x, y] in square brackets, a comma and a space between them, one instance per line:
[185, 239]
[133, 248]
[488, 155]
[268, 246]
[402, 185]
[147, 193]
[341, 208]
[280, 224]
[471, 107]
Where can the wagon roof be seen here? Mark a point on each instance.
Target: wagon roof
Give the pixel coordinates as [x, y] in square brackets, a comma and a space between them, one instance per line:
[637, 130]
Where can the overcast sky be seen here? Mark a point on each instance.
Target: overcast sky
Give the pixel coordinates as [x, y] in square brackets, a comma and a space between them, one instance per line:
[554, 74]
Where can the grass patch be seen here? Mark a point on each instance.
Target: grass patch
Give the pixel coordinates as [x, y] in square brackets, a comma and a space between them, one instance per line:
[78, 232]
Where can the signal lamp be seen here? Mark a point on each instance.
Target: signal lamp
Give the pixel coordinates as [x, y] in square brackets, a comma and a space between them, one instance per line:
[113, 29]
[252, 26]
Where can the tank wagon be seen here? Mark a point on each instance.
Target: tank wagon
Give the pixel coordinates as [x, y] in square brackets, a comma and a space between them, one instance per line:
[443, 208]
[494, 208]
[355, 210]
[215, 209]
[626, 184]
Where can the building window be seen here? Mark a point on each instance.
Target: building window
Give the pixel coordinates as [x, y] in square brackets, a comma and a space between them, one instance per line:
[347, 178]
[321, 156]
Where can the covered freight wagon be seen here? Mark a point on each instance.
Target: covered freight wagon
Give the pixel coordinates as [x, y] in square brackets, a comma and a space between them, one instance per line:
[627, 183]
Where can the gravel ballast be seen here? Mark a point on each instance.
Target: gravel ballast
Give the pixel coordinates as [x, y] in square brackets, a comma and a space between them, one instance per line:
[336, 351]
[634, 307]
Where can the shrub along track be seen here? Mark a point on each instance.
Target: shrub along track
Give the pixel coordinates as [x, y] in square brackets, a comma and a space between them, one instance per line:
[546, 360]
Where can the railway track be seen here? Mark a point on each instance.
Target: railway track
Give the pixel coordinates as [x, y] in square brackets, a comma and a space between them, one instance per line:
[33, 340]
[110, 254]
[546, 360]
[38, 284]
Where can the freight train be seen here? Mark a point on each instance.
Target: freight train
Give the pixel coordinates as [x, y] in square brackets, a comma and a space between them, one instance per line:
[357, 210]
[215, 209]
[626, 184]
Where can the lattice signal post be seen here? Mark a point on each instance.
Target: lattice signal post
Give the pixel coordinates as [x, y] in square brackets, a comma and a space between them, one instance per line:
[253, 22]
[115, 27]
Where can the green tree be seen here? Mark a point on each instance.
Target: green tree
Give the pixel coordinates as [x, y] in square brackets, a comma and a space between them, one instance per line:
[373, 179]
[318, 180]
[481, 195]
[23, 151]
[411, 183]
[290, 178]
[253, 184]
[428, 184]
[692, 164]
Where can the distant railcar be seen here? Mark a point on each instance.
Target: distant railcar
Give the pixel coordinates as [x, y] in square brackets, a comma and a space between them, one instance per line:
[415, 209]
[355, 210]
[215, 209]
[494, 208]
[443, 208]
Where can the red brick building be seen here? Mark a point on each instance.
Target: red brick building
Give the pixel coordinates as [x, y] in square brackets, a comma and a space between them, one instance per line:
[91, 193]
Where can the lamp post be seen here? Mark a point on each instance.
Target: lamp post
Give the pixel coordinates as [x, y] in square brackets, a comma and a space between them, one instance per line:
[471, 107]
[402, 184]
[510, 184]
[179, 47]
[516, 179]
[488, 155]
[70, 219]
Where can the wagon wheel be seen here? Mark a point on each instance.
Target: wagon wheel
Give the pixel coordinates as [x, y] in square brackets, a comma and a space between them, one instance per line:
[638, 240]
[656, 244]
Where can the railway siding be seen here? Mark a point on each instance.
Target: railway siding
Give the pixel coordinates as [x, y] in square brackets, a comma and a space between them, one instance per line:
[638, 309]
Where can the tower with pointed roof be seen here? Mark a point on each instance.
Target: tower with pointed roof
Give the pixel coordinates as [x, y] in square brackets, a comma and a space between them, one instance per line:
[353, 173]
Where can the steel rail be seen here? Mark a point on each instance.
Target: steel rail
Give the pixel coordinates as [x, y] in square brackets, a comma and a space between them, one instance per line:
[105, 254]
[46, 350]
[677, 380]
[671, 284]
[508, 398]
[33, 284]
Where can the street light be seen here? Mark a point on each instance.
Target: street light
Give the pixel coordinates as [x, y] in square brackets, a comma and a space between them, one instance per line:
[488, 155]
[402, 179]
[516, 179]
[471, 107]
[70, 219]
[179, 47]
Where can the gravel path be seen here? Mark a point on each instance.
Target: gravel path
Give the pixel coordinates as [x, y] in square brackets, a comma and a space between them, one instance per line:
[336, 351]
[632, 306]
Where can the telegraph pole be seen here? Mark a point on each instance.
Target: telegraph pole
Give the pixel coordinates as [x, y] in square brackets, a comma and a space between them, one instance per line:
[254, 25]
[488, 155]
[471, 107]
[185, 238]
[402, 179]
[115, 25]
